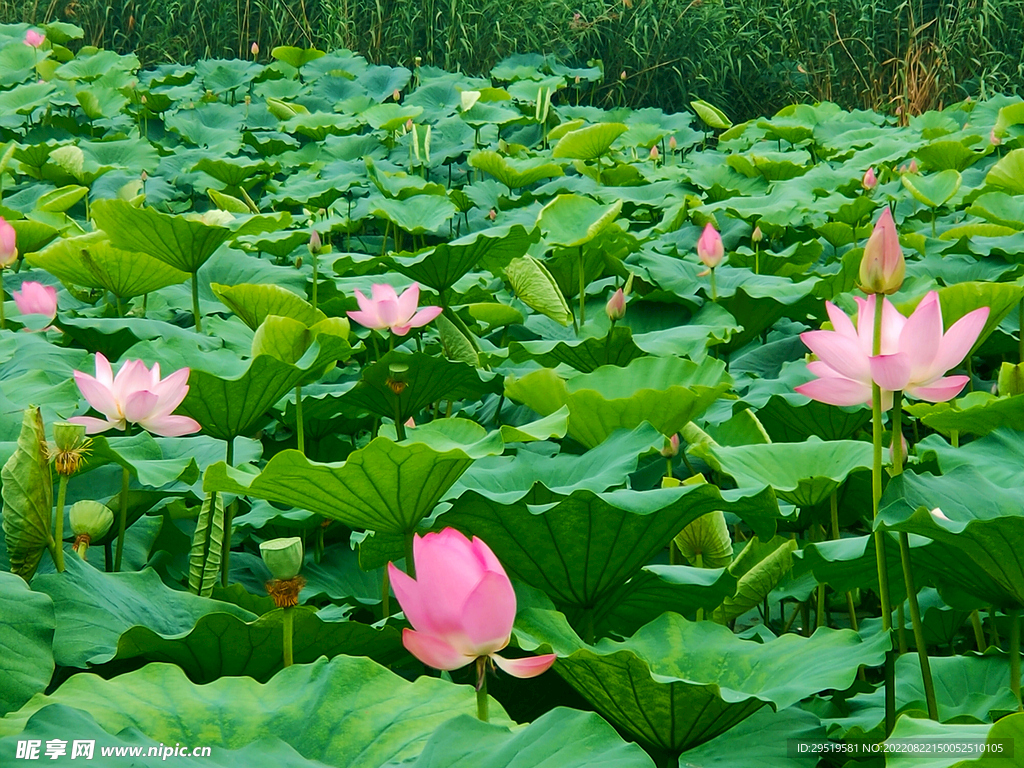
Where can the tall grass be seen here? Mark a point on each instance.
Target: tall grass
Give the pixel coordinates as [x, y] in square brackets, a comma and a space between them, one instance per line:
[750, 57]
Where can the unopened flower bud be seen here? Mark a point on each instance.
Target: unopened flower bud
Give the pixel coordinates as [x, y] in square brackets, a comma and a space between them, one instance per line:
[255, 49]
[315, 244]
[622, 75]
[396, 95]
[912, 168]
[492, 214]
[870, 181]
[654, 153]
[283, 557]
[672, 143]
[671, 447]
[709, 247]
[993, 139]
[616, 306]
[882, 267]
[757, 235]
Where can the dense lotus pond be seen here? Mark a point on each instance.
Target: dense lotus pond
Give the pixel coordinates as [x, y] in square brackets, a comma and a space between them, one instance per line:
[347, 407]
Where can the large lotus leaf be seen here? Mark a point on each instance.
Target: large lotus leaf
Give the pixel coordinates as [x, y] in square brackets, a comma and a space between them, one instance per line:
[386, 486]
[588, 143]
[984, 522]
[179, 241]
[113, 336]
[535, 476]
[26, 637]
[676, 684]
[849, 563]
[760, 741]
[555, 425]
[91, 261]
[253, 303]
[998, 455]
[573, 220]
[94, 609]
[28, 497]
[513, 173]
[443, 265]
[711, 115]
[934, 189]
[967, 690]
[417, 215]
[805, 474]
[533, 284]
[1000, 208]
[426, 379]
[1007, 174]
[947, 155]
[948, 738]
[585, 355]
[32, 235]
[26, 98]
[562, 737]
[580, 547]
[957, 300]
[759, 568]
[977, 413]
[348, 712]
[668, 392]
[144, 458]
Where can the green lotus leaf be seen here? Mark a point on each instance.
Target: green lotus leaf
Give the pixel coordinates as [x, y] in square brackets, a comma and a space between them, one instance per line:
[494, 314]
[706, 537]
[805, 474]
[417, 215]
[997, 455]
[849, 563]
[760, 741]
[758, 569]
[546, 428]
[513, 173]
[977, 229]
[1006, 174]
[385, 718]
[534, 285]
[711, 115]
[977, 413]
[912, 730]
[27, 634]
[542, 545]
[441, 266]
[296, 57]
[590, 142]
[113, 336]
[426, 380]
[28, 498]
[933, 190]
[999, 208]
[947, 155]
[572, 220]
[233, 171]
[97, 64]
[92, 261]
[26, 98]
[585, 355]
[984, 525]
[61, 199]
[386, 486]
[253, 303]
[668, 392]
[181, 242]
[143, 456]
[33, 234]
[676, 684]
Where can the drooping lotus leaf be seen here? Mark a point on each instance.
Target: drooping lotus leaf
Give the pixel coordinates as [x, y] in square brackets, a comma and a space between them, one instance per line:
[758, 569]
[513, 173]
[588, 143]
[676, 684]
[668, 392]
[573, 220]
[33, 234]
[711, 115]
[61, 199]
[976, 413]
[933, 190]
[580, 548]
[998, 455]
[350, 711]
[27, 636]
[179, 241]
[417, 215]
[92, 262]
[984, 521]
[534, 285]
[1005, 174]
[441, 266]
[386, 486]
[426, 379]
[28, 497]
[546, 428]
[253, 303]
[805, 474]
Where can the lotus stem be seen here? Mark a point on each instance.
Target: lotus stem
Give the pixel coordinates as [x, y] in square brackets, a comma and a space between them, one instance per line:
[287, 625]
[58, 537]
[979, 631]
[300, 434]
[1014, 615]
[122, 515]
[714, 289]
[3, 298]
[583, 291]
[229, 513]
[1020, 332]
[834, 510]
[195, 302]
[314, 259]
[482, 703]
[410, 560]
[995, 629]
[901, 634]
[385, 597]
[698, 562]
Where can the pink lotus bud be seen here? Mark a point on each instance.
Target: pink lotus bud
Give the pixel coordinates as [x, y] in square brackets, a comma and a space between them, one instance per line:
[882, 267]
[36, 299]
[654, 153]
[870, 181]
[144, 176]
[671, 447]
[616, 306]
[8, 244]
[492, 214]
[913, 165]
[389, 310]
[622, 75]
[902, 168]
[33, 38]
[315, 243]
[709, 247]
[396, 95]
[461, 605]
[408, 124]
[136, 395]
[757, 235]
[410, 422]
[254, 49]
[672, 143]
[993, 139]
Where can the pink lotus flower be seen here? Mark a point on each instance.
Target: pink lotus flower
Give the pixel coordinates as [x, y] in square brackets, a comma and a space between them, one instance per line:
[915, 354]
[8, 244]
[33, 38]
[616, 306]
[671, 447]
[882, 268]
[709, 247]
[36, 299]
[461, 605]
[870, 181]
[136, 395]
[388, 310]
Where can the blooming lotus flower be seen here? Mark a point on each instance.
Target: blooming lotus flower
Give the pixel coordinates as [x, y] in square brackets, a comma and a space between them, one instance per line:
[388, 310]
[709, 247]
[33, 38]
[36, 299]
[136, 395]
[915, 353]
[882, 268]
[870, 181]
[8, 244]
[461, 605]
[616, 306]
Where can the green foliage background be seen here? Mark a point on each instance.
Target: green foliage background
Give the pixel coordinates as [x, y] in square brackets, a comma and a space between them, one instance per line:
[751, 57]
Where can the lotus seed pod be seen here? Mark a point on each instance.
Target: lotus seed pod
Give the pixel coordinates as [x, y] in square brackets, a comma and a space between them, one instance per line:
[90, 518]
[67, 436]
[283, 557]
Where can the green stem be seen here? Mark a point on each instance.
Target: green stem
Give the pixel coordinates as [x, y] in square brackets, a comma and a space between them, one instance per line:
[668, 467]
[3, 298]
[1014, 615]
[122, 516]
[714, 289]
[915, 618]
[229, 513]
[901, 634]
[834, 510]
[313, 256]
[979, 631]
[399, 425]
[195, 302]
[583, 291]
[410, 560]
[300, 427]
[1020, 332]
[385, 597]
[954, 437]
[698, 562]
[286, 624]
[481, 690]
[58, 549]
